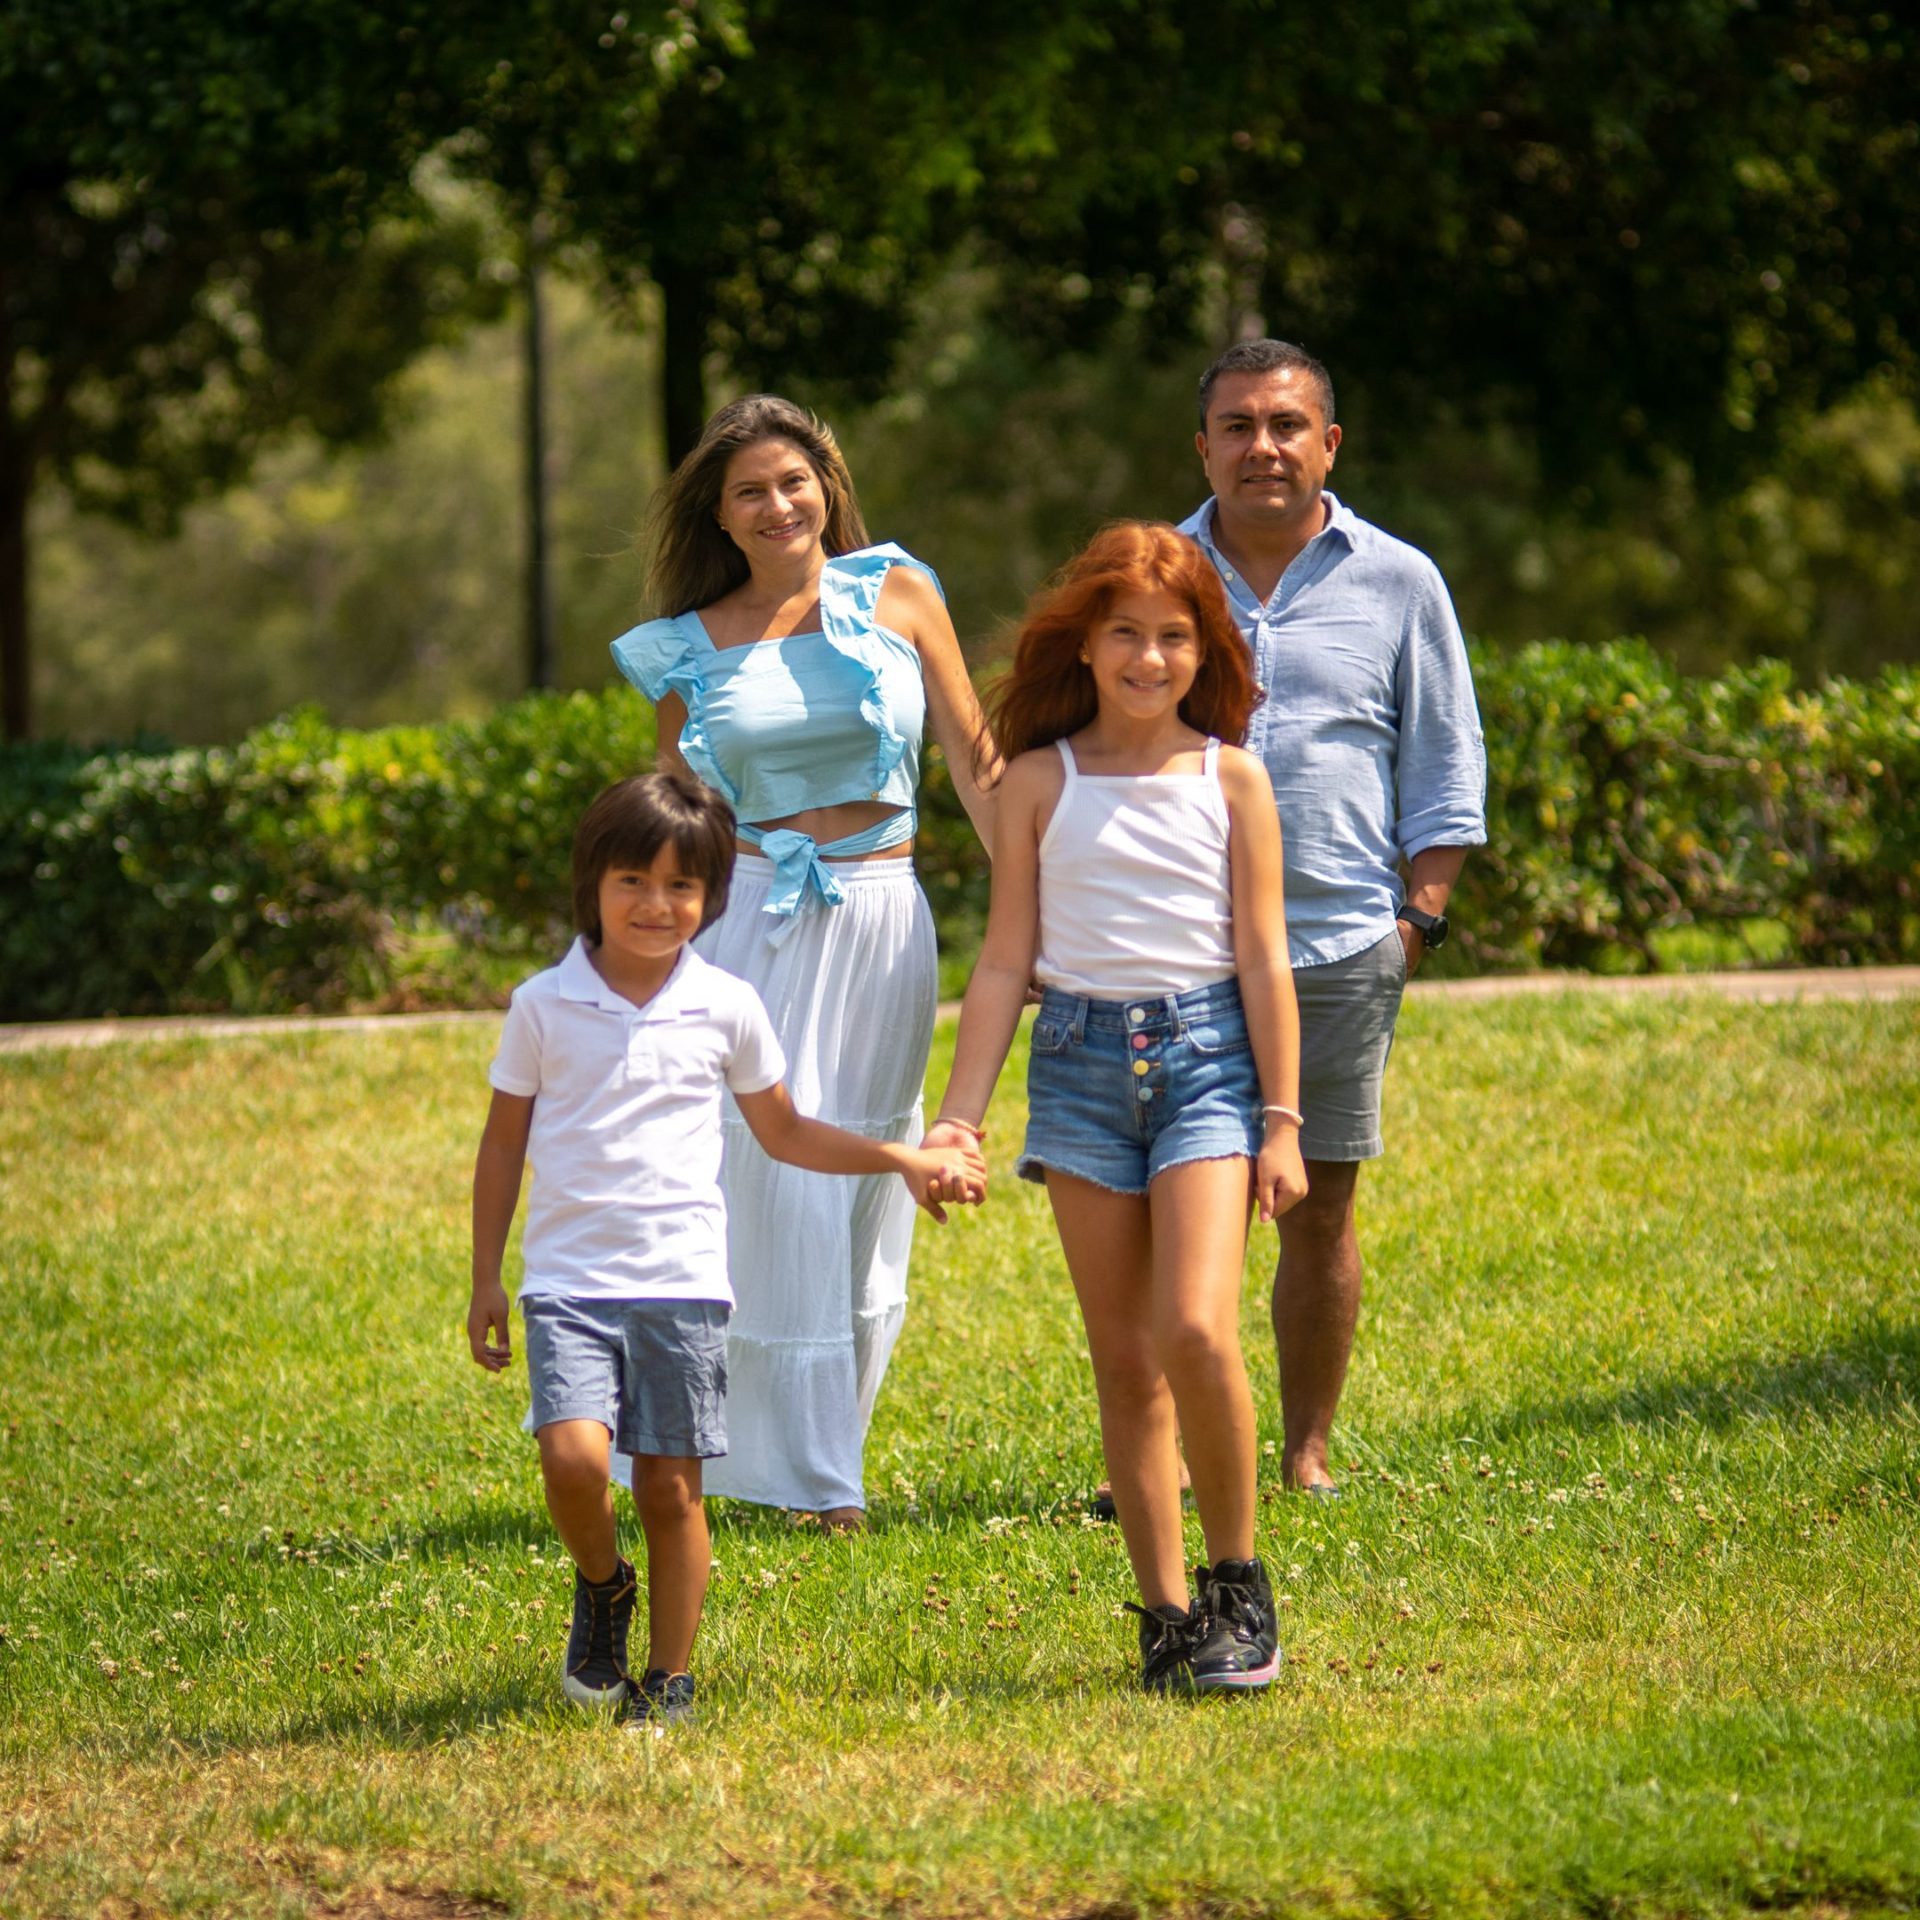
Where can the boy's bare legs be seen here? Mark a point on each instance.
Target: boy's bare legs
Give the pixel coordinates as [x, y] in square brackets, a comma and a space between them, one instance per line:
[679, 1557]
[576, 1461]
[1316, 1305]
[1199, 1212]
[1106, 1238]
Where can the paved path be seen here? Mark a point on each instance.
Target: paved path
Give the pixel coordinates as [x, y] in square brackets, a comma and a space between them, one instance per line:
[1803, 983]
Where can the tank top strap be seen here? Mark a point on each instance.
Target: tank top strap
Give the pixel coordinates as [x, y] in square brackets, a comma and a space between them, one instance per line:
[1067, 760]
[1210, 764]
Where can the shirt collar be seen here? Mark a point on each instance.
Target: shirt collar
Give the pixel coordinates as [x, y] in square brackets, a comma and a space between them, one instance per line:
[1341, 519]
[684, 991]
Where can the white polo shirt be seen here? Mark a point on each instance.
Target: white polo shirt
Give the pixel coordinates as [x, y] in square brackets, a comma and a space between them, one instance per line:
[625, 1144]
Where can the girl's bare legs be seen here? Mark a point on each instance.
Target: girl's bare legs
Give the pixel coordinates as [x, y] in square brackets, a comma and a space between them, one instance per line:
[1199, 1215]
[1107, 1238]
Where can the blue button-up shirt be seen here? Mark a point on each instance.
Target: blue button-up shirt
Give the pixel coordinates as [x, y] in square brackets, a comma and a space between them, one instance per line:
[1369, 730]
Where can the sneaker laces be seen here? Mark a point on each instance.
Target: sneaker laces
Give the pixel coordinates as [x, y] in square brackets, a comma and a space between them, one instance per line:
[1171, 1637]
[601, 1597]
[1235, 1604]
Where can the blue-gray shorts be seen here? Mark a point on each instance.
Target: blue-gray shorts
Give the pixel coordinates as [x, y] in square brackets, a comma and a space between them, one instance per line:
[1347, 1014]
[1120, 1090]
[652, 1372]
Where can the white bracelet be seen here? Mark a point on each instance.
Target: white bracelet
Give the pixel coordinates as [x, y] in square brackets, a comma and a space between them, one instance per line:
[1287, 1113]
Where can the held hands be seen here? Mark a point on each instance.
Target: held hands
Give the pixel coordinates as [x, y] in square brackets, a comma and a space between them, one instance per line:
[947, 1166]
[489, 1337]
[1279, 1175]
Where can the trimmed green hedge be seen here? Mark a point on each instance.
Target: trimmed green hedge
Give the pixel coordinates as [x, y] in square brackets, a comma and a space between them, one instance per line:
[281, 872]
[297, 869]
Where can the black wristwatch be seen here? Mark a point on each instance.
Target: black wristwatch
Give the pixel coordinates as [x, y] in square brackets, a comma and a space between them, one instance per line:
[1433, 926]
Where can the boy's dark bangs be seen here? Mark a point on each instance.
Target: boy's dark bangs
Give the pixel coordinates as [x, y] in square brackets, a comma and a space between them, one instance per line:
[633, 843]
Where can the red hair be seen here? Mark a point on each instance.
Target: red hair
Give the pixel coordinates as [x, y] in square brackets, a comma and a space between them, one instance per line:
[1048, 692]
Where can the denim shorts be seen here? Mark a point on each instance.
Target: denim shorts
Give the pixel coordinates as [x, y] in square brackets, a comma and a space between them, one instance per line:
[1120, 1090]
[652, 1372]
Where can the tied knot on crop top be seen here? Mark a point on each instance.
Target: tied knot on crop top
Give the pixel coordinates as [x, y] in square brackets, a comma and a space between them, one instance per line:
[806, 720]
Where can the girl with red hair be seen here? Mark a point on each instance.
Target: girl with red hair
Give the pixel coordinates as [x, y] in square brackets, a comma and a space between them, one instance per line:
[1136, 877]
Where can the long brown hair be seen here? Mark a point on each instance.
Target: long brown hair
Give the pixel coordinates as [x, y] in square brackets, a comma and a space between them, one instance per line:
[693, 562]
[1048, 692]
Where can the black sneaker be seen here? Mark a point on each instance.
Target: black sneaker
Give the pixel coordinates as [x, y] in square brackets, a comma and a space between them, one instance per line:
[1167, 1639]
[658, 1699]
[596, 1669]
[1240, 1647]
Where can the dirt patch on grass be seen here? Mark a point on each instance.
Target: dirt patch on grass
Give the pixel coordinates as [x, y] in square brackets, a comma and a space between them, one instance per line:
[405, 1903]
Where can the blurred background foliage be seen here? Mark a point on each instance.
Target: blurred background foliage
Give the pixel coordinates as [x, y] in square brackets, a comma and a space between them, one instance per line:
[1623, 304]
[384, 581]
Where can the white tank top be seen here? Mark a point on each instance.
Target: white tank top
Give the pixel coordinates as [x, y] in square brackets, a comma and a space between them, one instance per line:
[1136, 893]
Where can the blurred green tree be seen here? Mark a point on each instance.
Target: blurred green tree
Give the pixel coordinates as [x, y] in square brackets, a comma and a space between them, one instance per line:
[804, 176]
[193, 256]
[211, 232]
[1637, 234]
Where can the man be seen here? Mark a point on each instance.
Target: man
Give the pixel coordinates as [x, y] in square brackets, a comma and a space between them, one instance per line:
[1370, 733]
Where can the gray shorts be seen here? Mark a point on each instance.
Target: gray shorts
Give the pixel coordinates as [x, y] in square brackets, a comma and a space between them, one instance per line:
[652, 1372]
[1347, 1011]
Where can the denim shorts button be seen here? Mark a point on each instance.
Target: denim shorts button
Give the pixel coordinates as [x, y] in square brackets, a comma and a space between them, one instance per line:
[1139, 1039]
[1146, 1093]
[1141, 1066]
[1135, 1015]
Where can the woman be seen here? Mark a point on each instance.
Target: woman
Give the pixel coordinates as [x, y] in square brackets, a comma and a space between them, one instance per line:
[794, 672]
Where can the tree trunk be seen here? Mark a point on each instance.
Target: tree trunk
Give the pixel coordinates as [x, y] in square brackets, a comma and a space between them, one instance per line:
[683, 352]
[539, 596]
[16, 485]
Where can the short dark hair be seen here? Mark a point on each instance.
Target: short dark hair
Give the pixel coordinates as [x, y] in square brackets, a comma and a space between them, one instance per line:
[1268, 356]
[629, 824]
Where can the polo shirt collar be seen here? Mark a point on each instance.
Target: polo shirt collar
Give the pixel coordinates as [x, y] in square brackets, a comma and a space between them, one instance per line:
[685, 990]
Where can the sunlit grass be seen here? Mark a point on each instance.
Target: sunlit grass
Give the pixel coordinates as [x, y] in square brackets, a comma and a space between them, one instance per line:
[1617, 1616]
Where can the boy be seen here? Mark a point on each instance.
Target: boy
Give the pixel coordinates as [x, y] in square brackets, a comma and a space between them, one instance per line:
[609, 1073]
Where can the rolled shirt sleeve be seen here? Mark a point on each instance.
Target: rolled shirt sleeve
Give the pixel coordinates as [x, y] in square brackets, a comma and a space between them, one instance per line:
[1442, 769]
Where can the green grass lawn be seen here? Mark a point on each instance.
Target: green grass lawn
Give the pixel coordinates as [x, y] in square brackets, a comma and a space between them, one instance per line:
[1619, 1617]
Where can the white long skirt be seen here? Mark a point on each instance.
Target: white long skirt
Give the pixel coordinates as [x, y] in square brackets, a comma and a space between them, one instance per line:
[819, 1261]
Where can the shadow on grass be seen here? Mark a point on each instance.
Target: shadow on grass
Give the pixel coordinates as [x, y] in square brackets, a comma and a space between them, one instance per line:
[518, 1529]
[1873, 1368]
[482, 1706]
[456, 1712]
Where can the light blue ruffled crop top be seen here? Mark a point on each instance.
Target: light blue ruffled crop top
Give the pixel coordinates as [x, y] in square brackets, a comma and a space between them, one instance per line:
[808, 720]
